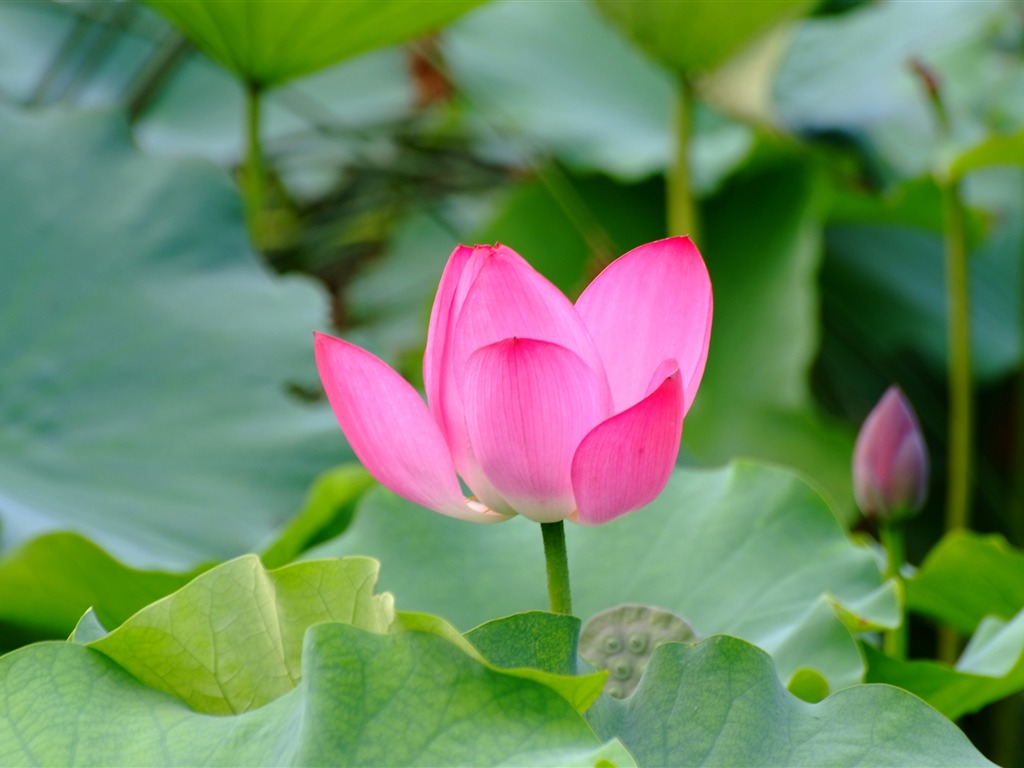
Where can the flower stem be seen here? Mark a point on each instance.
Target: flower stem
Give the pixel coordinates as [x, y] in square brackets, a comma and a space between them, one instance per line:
[891, 536]
[558, 567]
[960, 415]
[958, 331]
[254, 172]
[682, 214]
[958, 490]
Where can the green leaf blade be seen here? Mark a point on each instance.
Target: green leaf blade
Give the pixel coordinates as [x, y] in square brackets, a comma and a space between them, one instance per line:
[543, 641]
[410, 668]
[269, 43]
[428, 704]
[721, 703]
[143, 396]
[698, 35]
[967, 577]
[230, 641]
[748, 550]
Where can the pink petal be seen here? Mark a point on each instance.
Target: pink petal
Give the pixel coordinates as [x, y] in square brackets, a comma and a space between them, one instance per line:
[390, 429]
[442, 317]
[491, 294]
[890, 460]
[441, 385]
[509, 299]
[625, 462]
[528, 405]
[651, 304]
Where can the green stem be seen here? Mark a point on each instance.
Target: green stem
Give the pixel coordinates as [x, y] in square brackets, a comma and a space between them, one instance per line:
[1004, 726]
[558, 567]
[682, 213]
[1016, 506]
[255, 169]
[960, 416]
[958, 492]
[891, 536]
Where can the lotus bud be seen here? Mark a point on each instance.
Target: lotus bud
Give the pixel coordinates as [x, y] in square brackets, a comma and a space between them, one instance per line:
[890, 461]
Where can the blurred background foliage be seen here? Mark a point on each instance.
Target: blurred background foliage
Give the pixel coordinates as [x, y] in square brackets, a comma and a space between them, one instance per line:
[159, 410]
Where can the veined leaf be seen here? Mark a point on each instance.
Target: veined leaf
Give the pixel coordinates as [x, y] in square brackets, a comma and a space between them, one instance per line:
[269, 43]
[231, 640]
[720, 703]
[747, 550]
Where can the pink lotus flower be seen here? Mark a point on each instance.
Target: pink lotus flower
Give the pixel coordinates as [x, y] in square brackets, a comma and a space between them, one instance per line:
[890, 461]
[545, 409]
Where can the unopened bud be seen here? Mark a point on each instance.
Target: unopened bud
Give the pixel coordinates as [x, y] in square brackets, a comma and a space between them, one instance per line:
[890, 461]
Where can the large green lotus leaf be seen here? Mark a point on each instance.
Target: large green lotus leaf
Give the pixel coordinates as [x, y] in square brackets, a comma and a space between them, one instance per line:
[330, 504]
[1003, 149]
[147, 357]
[762, 244]
[720, 703]
[47, 583]
[77, 54]
[580, 691]
[967, 577]
[884, 286]
[748, 550]
[545, 641]
[27, 32]
[991, 668]
[586, 96]
[428, 704]
[197, 107]
[583, 93]
[268, 43]
[697, 35]
[88, 629]
[231, 640]
[821, 86]
[197, 110]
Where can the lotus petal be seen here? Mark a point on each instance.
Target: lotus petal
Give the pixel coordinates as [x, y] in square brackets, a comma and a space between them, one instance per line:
[653, 303]
[391, 430]
[528, 405]
[625, 462]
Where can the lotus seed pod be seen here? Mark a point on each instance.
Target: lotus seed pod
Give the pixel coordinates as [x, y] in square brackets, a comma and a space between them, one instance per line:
[623, 638]
[637, 643]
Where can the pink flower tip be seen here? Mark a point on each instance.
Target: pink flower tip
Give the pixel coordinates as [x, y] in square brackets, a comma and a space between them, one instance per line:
[890, 460]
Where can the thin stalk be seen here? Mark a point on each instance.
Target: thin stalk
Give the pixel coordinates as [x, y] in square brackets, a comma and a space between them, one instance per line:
[960, 410]
[254, 174]
[558, 567]
[147, 83]
[1004, 727]
[682, 213]
[1007, 747]
[1016, 507]
[958, 492]
[895, 640]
